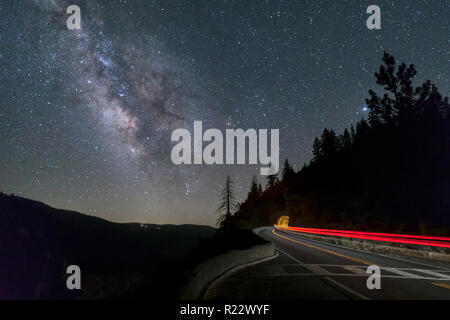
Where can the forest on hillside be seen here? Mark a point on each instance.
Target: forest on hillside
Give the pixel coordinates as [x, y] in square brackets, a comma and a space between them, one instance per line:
[389, 172]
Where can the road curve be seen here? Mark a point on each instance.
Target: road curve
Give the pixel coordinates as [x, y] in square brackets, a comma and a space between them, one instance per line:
[310, 269]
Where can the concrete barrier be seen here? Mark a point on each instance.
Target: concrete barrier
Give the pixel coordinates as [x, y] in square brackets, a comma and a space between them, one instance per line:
[215, 269]
[378, 248]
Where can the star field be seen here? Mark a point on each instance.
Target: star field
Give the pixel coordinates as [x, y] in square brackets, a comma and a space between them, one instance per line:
[86, 115]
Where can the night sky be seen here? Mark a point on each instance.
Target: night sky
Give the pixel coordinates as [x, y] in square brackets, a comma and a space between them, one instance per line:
[86, 115]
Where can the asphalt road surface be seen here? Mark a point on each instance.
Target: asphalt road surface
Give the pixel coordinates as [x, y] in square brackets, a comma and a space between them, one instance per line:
[310, 269]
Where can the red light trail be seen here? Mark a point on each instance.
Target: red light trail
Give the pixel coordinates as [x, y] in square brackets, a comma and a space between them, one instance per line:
[433, 241]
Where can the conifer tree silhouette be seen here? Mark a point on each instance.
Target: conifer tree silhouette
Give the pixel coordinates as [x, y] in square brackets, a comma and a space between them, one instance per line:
[228, 203]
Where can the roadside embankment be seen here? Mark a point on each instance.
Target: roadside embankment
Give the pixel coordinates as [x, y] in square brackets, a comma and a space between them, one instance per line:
[213, 270]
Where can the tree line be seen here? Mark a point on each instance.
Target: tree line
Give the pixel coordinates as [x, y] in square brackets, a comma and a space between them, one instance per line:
[389, 172]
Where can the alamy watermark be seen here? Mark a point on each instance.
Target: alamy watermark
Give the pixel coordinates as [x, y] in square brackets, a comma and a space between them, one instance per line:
[189, 149]
[74, 20]
[74, 280]
[374, 20]
[374, 280]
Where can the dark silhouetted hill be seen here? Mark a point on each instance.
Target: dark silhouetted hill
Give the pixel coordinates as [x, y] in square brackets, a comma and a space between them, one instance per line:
[38, 242]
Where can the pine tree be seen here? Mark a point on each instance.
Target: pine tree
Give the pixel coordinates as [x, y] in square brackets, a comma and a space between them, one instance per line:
[228, 203]
[362, 131]
[272, 180]
[317, 150]
[398, 103]
[287, 170]
[254, 192]
[329, 143]
[352, 133]
[346, 140]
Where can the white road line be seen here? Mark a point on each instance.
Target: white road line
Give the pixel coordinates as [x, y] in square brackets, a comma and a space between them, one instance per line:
[436, 274]
[309, 274]
[355, 270]
[362, 297]
[314, 268]
[287, 254]
[351, 275]
[402, 273]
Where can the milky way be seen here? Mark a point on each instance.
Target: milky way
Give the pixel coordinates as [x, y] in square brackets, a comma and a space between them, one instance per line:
[86, 115]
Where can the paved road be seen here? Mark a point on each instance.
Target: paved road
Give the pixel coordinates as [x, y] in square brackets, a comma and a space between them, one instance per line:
[309, 269]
